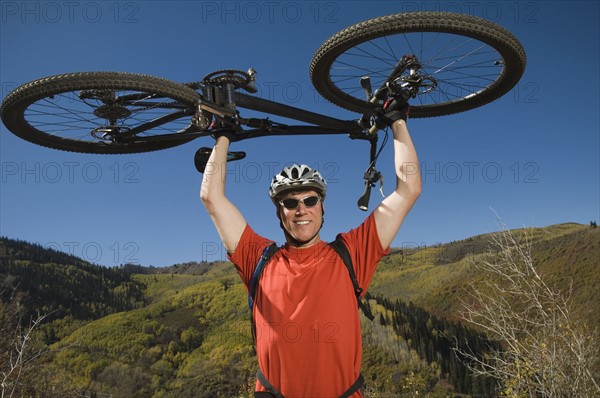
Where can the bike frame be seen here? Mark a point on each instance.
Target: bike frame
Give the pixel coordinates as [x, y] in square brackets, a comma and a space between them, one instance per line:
[319, 124]
[328, 125]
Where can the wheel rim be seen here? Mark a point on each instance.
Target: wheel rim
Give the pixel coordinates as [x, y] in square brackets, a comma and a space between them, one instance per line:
[464, 68]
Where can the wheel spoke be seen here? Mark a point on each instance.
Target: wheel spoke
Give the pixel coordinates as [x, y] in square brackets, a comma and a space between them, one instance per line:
[462, 66]
[463, 62]
[66, 115]
[101, 112]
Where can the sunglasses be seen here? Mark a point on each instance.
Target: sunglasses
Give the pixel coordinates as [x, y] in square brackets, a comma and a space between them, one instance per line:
[292, 204]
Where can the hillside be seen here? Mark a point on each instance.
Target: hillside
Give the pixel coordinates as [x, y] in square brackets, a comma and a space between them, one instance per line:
[566, 255]
[184, 331]
[66, 288]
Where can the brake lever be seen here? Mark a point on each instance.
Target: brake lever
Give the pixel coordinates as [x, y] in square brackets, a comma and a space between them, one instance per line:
[381, 185]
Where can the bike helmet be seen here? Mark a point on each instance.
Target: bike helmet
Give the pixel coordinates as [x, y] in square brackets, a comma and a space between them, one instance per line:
[297, 177]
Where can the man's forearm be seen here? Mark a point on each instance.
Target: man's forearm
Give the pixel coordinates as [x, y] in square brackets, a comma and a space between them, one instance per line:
[213, 180]
[408, 176]
[392, 211]
[228, 220]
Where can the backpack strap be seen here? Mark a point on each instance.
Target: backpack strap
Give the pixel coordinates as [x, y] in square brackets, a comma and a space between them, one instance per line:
[267, 253]
[337, 245]
[273, 392]
[358, 384]
[267, 385]
[341, 249]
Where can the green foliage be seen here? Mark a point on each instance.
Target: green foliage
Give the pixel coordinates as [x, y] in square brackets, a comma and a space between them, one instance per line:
[435, 277]
[184, 331]
[170, 346]
[433, 340]
[64, 286]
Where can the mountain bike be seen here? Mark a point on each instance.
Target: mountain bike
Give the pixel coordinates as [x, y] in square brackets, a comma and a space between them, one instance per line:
[445, 63]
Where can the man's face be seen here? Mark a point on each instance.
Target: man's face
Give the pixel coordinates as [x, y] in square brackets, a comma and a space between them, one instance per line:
[302, 222]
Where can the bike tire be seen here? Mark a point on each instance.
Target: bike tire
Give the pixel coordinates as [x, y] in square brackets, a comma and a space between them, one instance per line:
[331, 70]
[54, 111]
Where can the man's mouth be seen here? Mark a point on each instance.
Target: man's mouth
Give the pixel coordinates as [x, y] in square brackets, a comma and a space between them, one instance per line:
[302, 222]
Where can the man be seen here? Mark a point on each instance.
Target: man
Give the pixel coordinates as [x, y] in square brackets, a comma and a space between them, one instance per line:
[308, 336]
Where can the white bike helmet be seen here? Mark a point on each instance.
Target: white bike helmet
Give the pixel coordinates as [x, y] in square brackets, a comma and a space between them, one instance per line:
[297, 177]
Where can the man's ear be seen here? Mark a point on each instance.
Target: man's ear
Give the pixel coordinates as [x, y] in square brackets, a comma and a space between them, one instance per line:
[278, 209]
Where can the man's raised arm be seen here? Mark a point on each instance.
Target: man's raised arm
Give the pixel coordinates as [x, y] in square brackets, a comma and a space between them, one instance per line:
[392, 211]
[228, 220]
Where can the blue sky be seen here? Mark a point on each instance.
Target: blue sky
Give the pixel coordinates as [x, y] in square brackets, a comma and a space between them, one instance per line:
[531, 156]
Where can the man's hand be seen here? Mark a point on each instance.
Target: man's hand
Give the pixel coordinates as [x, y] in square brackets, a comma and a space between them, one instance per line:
[396, 108]
[231, 135]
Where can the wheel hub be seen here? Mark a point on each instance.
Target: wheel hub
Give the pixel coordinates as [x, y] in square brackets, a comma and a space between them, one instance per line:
[112, 112]
[109, 134]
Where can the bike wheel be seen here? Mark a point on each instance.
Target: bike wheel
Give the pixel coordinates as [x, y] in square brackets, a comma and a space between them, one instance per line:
[100, 112]
[473, 61]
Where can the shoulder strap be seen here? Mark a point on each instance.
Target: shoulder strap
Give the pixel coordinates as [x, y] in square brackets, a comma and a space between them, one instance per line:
[267, 384]
[337, 245]
[273, 392]
[267, 253]
[341, 249]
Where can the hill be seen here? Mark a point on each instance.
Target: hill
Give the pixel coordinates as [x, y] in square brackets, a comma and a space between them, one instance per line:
[66, 288]
[184, 330]
[435, 278]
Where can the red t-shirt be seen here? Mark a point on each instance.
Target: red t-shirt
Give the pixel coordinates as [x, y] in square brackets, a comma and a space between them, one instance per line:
[309, 341]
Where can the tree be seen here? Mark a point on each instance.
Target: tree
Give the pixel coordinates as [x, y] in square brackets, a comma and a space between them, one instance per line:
[23, 372]
[545, 351]
[19, 349]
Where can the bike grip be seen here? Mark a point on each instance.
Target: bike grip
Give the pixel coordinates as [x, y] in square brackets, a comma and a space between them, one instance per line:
[363, 201]
[233, 156]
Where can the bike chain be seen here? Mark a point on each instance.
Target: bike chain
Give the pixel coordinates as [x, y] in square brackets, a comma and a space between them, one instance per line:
[137, 110]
